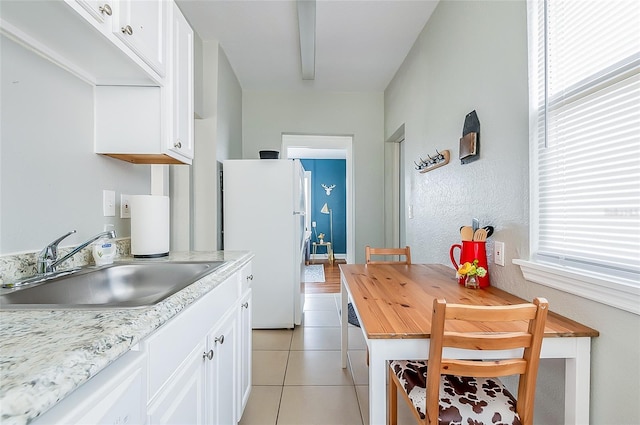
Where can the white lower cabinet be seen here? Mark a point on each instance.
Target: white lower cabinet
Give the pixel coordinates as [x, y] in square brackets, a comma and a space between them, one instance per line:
[113, 396]
[183, 400]
[244, 352]
[198, 362]
[221, 372]
[203, 388]
[195, 369]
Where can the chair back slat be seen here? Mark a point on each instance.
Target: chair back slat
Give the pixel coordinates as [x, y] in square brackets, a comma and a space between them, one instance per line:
[400, 252]
[482, 313]
[501, 341]
[484, 369]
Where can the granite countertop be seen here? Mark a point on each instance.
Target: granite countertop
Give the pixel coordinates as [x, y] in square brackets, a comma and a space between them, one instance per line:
[46, 354]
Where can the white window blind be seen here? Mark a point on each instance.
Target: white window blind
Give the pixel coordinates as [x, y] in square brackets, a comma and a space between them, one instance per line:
[586, 136]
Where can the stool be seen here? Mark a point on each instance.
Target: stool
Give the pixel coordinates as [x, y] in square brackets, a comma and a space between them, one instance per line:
[327, 245]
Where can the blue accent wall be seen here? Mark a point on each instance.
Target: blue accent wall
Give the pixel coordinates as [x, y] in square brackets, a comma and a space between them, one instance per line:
[329, 172]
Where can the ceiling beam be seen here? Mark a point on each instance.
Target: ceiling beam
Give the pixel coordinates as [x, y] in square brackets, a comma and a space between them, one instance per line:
[307, 32]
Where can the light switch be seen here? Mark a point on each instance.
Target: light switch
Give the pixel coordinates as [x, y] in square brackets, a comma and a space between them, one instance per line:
[109, 203]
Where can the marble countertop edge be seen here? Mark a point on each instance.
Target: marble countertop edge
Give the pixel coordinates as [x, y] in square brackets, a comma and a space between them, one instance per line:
[46, 354]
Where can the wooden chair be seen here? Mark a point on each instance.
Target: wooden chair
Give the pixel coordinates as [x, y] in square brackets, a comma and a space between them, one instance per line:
[368, 252]
[406, 252]
[468, 391]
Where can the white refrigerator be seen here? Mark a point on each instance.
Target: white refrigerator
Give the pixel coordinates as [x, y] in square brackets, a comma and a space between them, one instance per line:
[264, 212]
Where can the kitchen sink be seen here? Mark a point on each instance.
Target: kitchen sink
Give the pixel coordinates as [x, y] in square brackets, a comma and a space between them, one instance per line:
[121, 285]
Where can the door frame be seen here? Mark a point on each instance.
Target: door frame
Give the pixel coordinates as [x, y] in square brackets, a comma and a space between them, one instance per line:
[328, 147]
[395, 218]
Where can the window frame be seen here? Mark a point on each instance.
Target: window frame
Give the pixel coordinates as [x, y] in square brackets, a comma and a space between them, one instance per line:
[615, 291]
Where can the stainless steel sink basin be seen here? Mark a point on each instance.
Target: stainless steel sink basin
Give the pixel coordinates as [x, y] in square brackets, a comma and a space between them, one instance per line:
[121, 285]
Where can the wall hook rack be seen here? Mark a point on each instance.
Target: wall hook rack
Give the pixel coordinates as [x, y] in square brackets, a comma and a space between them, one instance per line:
[437, 161]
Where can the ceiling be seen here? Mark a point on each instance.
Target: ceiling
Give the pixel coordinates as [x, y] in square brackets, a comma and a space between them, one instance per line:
[360, 44]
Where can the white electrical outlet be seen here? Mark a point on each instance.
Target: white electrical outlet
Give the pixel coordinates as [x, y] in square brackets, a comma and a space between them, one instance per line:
[125, 206]
[498, 253]
[313, 224]
[109, 203]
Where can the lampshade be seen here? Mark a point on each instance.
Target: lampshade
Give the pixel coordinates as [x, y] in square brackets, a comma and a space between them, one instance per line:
[325, 209]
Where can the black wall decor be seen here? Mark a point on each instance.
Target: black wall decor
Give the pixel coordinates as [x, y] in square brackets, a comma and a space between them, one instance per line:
[470, 141]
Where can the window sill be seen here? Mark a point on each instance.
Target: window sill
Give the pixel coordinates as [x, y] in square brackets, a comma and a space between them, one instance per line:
[615, 293]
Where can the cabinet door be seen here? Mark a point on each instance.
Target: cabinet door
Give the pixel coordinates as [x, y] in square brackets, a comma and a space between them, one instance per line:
[244, 352]
[141, 25]
[246, 277]
[116, 395]
[221, 374]
[183, 399]
[181, 140]
[100, 10]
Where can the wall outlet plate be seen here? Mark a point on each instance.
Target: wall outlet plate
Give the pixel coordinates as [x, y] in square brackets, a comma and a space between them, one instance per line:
[498, 253]
[125, 206]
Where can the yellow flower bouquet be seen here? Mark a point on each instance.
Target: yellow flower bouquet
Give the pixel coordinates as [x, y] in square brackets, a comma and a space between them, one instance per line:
[471, 269]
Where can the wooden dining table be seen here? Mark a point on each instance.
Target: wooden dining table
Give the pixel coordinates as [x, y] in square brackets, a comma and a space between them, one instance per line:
[393, 304]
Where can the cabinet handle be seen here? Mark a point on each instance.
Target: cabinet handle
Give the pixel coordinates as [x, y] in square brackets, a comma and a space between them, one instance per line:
[208, 355]
[106, 10]
[177, 144]
[127, 30]
[250, 277]
[219, 339]
[245, 305]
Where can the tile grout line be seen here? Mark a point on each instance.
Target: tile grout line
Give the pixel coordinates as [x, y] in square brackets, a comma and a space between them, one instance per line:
[352, 384]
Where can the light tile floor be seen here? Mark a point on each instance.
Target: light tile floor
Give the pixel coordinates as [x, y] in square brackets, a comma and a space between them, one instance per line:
[297, 376]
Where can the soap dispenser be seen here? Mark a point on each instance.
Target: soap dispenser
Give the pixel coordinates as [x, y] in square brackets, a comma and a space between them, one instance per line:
[104, 249]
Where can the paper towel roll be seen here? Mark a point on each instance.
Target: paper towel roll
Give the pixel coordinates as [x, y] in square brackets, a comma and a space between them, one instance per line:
[149, 226]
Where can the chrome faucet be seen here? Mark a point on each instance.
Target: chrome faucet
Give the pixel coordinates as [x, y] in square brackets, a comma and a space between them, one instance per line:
[48, 259]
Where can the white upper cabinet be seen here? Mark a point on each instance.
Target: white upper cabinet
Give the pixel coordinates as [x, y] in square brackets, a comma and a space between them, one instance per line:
[77, 35]
[152, 125]
[182, 102]
[101, 11]
[138, 54]
[141, 25]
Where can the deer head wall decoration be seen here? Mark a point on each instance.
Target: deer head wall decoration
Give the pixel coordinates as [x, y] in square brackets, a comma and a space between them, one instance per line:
[328, 189]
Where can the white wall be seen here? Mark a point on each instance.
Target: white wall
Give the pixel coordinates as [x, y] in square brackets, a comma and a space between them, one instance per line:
[50, 179]
[218, 136]
[473, 55]
[267, 115]
[229, 137]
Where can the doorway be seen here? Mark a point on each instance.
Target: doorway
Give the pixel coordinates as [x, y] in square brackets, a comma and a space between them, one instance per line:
[297, 146]
[395, 217]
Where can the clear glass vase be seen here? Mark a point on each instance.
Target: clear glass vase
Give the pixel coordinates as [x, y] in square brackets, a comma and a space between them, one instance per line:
[471, 282]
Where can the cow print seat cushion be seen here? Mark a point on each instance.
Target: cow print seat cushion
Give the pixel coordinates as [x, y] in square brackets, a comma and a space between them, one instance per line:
[463, 400]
